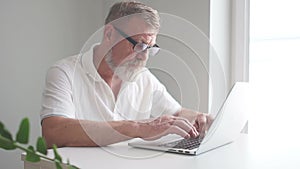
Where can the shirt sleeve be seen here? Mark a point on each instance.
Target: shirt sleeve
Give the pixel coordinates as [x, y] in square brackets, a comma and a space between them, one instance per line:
[163, 103]
[57, 95]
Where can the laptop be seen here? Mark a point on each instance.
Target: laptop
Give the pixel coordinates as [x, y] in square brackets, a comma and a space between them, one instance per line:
[226, 127]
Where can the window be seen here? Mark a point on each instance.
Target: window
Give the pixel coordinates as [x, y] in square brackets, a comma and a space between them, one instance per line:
[275, 66]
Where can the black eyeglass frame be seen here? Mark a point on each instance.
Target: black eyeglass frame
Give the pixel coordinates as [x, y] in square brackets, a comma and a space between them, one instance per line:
[134, 43]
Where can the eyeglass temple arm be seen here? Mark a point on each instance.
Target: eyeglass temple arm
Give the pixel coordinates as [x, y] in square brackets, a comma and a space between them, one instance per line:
[126, 36]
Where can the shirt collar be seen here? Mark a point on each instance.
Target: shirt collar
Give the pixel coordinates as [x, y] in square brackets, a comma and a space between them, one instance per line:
[88, 64]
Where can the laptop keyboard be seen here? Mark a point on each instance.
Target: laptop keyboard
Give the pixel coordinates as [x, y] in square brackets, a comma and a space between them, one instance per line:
[190, 143]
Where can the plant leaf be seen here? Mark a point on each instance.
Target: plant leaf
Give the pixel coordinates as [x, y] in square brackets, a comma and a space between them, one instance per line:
[41, 146]
[1, 127]
[56, 155]
[6, 134]
[6, 143]
[58, 166]
[31, 155]
[23, 133]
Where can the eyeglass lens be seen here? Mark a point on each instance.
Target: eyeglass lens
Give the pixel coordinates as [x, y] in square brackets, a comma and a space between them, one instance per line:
[140, 47]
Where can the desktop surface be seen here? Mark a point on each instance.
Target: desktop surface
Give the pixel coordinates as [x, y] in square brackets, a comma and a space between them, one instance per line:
[121, 155]
[244, 153]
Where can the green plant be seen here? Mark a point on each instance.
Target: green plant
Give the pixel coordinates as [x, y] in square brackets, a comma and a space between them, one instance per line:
[32, 154]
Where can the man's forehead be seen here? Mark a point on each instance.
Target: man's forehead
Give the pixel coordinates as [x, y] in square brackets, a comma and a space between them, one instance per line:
[146, 38]
[146, 35]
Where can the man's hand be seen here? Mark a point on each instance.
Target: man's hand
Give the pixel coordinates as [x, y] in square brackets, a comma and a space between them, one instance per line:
[200, 121]
[153, 129]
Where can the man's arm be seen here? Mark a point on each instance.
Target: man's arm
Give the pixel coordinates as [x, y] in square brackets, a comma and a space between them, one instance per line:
[72, 132]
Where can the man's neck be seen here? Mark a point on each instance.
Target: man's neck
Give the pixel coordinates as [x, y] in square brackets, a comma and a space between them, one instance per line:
[113, 81]
[104, 70]
[100, 64]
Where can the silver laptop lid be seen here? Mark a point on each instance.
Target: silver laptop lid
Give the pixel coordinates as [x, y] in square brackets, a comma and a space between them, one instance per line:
[230, 119]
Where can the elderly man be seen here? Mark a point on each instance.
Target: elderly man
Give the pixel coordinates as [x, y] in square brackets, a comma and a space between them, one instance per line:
[106, 95]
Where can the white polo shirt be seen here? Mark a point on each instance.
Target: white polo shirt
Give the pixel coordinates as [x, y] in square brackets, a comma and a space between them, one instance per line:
[74, 89]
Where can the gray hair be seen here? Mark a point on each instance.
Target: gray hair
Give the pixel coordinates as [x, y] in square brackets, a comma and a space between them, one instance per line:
[126, 8]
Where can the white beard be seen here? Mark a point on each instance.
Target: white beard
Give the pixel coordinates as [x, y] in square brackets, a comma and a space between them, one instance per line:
[126, 71]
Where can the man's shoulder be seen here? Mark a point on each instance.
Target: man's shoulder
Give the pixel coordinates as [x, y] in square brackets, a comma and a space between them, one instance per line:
[143, 73]
[147, 76]
[66, 63]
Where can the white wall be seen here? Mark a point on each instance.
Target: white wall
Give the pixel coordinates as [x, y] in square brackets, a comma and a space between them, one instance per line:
[33, 35]
[240, 40]
[220, 51]
[188, 39]
[229, 36]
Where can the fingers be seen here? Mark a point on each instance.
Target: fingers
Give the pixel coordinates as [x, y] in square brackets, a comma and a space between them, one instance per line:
[209, 121]
[168, 124]
[202, 123]
[184, 124]
[171, 130]
[179, 131]
[165, 125]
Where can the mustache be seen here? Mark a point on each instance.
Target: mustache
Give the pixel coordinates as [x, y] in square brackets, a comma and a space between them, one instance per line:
[129, 64]
[134, 63]
[128, 70]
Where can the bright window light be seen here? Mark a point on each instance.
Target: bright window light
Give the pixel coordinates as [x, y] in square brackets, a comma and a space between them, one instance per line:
[275, 68]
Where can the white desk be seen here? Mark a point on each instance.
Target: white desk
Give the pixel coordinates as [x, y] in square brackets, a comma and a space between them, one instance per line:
[242, 154]
[114, 157]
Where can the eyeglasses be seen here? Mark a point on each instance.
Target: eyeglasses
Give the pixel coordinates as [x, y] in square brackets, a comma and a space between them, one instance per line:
[139, 46]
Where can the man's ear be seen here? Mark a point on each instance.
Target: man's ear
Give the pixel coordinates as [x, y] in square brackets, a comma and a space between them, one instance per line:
[108, 31]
